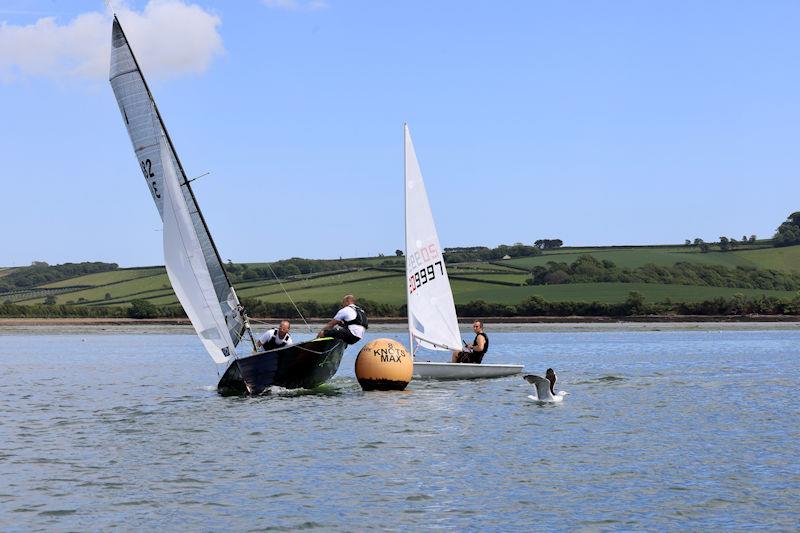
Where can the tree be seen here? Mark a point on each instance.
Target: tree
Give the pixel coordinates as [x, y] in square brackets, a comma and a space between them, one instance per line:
[635, 303]
[398, 253]
[788, 232]
[50, 300]
[142, 309]
[752, 239]
[698, 241]
[107, 296]
[687, 242]
[548, 244]
[724, 244]
[704, 247]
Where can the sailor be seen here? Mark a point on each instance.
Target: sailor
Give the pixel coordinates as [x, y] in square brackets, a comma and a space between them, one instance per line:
[473, 353]
[348, 324]
[275, 337]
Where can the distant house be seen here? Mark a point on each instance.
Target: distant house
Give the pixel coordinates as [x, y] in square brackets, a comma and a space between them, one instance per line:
[506, 256]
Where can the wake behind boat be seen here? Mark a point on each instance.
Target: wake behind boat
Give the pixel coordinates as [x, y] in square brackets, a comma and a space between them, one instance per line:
[432, 321]
[191, 258]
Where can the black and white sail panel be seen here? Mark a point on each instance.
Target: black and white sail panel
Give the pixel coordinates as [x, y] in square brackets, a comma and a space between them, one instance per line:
[154, 151]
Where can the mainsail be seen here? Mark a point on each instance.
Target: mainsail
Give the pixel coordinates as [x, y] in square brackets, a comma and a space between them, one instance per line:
[431, 312]
[187, 269]
[158, 161]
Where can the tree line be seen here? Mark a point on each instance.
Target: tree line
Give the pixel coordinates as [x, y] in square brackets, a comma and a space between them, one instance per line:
[588, 269]
[634, 305]
[725, 244]
[40, 273]
[466, 254]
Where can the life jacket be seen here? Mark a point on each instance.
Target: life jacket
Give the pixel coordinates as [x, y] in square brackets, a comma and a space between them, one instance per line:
[273, 343]
[485, 345]
[359, 320]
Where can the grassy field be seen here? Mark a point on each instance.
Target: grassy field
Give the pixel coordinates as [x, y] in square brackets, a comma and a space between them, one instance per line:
[776, 258]
[518, 278]
[472, 281]
[104, 278]
[121, 292]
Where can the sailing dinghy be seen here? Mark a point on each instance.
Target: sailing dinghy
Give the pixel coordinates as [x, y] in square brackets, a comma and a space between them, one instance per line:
[191, 257]
[432, 321]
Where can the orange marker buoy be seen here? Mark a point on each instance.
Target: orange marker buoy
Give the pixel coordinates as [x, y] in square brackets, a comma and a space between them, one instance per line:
[384, 364]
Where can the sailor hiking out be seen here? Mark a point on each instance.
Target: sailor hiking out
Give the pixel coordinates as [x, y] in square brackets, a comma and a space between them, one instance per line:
[348, 324]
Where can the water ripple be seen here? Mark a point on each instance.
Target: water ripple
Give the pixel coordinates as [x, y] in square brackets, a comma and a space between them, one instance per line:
[661, 431]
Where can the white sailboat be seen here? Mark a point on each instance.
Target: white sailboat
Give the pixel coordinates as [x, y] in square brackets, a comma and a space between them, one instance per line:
[191, 257]
[432, 321]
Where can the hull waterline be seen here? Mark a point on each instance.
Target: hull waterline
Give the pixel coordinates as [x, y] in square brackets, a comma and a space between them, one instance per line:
[451, 371]
[300, 366]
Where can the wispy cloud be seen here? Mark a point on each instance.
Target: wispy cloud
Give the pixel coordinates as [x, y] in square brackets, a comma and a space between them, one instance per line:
[296, 5]
[169, 37]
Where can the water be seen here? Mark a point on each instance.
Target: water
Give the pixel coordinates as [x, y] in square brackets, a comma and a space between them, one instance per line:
[662, 430]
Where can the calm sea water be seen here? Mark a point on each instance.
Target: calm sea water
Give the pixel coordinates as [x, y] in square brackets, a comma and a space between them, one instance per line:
[662, 430]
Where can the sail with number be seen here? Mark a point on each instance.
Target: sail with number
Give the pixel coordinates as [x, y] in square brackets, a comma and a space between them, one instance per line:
[193, 263]
[432, 318]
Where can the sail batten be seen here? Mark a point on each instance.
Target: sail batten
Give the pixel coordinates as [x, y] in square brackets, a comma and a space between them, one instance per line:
[431, 312]
[158, 161]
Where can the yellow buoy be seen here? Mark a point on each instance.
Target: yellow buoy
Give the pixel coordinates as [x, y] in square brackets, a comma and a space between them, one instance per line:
[384, 364]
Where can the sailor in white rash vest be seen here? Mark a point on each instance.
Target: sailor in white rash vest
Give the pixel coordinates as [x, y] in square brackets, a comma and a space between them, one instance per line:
[348, 324]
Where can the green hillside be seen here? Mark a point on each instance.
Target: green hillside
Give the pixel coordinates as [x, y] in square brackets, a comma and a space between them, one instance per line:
[495, 282]
[776, 258]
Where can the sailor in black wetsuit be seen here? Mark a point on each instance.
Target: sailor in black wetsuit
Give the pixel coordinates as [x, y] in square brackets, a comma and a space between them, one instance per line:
[473, 353]
[348, 324]
[276, 337]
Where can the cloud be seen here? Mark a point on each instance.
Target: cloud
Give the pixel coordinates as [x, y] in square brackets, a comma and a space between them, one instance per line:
[296, 5]
[169, 38]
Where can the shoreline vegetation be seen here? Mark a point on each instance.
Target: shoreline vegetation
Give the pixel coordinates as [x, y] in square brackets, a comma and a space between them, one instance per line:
[463, 321]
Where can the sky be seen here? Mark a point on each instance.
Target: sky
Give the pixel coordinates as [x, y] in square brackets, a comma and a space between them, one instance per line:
[595, 122]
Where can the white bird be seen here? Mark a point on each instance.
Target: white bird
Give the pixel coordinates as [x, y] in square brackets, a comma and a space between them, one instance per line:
[545, 387]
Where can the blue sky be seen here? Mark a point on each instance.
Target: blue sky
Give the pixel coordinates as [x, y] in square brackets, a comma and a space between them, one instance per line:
[596, 122]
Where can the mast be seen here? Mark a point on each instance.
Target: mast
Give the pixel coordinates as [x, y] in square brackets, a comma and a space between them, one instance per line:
[405, 237]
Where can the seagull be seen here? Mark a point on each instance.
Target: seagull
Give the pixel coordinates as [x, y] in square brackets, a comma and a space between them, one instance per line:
[545, 387]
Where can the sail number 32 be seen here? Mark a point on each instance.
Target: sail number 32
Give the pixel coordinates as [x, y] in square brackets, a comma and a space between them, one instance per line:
[147, 170]
[423, 276]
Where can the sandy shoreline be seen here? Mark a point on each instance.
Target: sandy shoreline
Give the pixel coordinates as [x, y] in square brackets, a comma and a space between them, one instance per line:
[67, 326]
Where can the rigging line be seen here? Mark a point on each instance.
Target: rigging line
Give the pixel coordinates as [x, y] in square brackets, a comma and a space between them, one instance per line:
[290, 299]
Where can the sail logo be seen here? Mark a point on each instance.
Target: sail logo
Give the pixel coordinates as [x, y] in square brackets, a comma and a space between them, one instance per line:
[422, 256]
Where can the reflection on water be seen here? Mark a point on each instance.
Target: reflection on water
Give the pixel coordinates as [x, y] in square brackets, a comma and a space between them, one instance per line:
[661, 430]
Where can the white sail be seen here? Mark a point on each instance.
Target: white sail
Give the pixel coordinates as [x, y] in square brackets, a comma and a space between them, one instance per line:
[187, 269]
[431, 312]
[157, 157]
